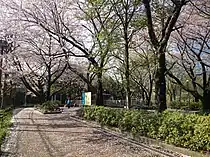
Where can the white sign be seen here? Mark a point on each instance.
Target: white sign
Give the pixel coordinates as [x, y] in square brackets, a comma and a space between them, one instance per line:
[88, 98]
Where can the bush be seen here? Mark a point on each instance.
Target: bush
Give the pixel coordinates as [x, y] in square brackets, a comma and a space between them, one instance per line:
[177, 128]
[57, 102]
[49, 106]
[201, 138]
[5, 123]
[184, 105]
[186, 130]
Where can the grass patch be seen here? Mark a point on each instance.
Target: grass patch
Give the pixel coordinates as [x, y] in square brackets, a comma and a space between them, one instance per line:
[5, 123]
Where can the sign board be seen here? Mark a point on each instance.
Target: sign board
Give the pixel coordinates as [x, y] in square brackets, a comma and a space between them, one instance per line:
[88, 98]
[83, 98]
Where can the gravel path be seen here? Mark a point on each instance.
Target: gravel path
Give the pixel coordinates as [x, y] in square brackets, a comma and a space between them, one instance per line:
[58, 135]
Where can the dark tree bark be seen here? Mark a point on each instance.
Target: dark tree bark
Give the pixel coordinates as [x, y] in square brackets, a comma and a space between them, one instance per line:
[161, 83]
[48, 96]
[99, 98]
[174, 94]
[127, 69]
[206, 102]
[88, 82]
[160, 47]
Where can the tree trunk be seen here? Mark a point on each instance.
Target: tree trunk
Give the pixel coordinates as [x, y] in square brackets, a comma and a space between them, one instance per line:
[196, 99]
[41, 99]
[89, 86]
[127, 73]
[161, 82]
[206, 102]
[149, 97]
[171, 97]
[174, 94]
[99, 96]
[88, 82]
[1, 84]
[128, 92]
[143, 96]
[160, 47]
[156, 89]
[48, 97]
[150, 88]
[180, 94]
[48, 94]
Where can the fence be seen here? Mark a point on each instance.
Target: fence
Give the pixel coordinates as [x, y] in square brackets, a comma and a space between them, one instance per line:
[115, 103]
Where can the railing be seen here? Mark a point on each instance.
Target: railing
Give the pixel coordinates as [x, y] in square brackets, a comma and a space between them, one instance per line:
[115, 103]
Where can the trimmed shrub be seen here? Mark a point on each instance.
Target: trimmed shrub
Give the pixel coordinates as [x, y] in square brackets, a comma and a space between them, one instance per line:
[50, 106]
[201, 137]
[185, 105]
[185, 130]
[177, 128]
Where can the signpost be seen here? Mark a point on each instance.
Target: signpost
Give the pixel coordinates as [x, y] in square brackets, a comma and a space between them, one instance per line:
[83, 98]
[86, 98]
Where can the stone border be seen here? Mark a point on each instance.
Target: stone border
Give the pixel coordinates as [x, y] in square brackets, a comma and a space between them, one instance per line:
[52, 112]
[48, 112]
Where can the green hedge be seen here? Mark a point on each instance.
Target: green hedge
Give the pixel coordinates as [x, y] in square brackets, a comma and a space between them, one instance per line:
[185, 130]
[49, 105]
[185, 105]
[5, 123]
